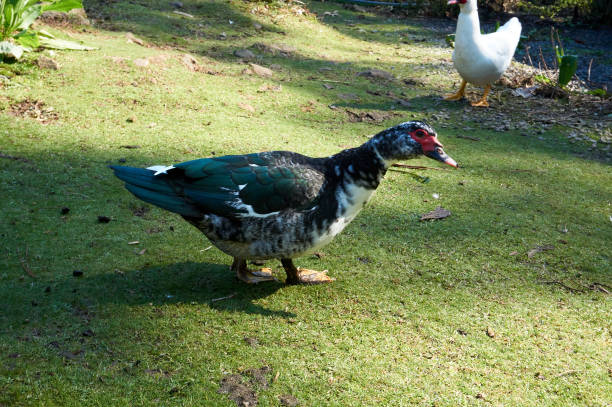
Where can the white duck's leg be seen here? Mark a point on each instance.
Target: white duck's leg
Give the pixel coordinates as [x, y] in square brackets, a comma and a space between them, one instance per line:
[298, 275]
[459, 94]
[248, 276]
[483, 102]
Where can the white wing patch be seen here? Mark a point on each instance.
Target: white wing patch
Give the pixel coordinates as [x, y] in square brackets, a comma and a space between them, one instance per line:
[238, 204]
[160, 169]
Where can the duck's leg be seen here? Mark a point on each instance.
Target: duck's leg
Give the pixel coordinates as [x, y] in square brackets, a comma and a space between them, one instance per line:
[298, 275]
[248, 276]
[483, 102]
[459, 94]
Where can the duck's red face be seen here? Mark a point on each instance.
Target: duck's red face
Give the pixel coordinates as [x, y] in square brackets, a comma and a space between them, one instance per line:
[432, 148]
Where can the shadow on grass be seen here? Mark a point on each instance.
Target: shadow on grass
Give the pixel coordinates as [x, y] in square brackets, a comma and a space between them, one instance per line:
[189, 282]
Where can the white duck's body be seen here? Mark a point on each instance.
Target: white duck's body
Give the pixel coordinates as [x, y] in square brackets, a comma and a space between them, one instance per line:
[481, 59]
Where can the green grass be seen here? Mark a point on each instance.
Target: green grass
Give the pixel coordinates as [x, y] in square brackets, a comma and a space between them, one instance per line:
[390, 330]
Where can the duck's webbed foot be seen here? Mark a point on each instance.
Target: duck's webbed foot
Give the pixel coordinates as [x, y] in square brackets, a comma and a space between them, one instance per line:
[483, 102]
[459, 95]
[298, 275]
[251, 276]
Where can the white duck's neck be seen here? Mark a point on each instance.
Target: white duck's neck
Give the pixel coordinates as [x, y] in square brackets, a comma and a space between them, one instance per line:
[468, 24]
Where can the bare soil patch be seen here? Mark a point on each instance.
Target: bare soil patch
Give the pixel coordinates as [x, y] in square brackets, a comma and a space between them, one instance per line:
[34, 109]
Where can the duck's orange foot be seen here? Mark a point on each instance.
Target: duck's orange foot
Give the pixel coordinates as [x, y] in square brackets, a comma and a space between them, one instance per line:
[298, 275]
[256, 276]
[459, 94]
[454, 97]
[249, 276]
[306, 276]
[481, 103]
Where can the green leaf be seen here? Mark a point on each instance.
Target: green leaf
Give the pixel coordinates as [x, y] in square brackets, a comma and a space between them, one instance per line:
[559, 53]
[10, 50]
[56, 43]
[29, 15]
[62, 5]
[450, 40]
[45, 33]
[567, 68]
[28, 39]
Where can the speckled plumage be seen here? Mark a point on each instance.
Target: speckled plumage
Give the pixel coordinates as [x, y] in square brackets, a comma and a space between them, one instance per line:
[275, 204]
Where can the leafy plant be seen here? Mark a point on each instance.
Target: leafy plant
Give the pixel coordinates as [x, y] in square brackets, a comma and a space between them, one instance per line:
[567, 64]
[16, 17]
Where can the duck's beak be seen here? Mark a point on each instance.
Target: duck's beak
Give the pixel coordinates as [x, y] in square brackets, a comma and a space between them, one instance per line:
[440, 155]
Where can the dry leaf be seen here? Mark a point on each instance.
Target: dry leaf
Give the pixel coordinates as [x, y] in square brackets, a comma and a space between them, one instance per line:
[132, 39]
[438, 213]
[247, 107]
[269, 88]
[539, 249]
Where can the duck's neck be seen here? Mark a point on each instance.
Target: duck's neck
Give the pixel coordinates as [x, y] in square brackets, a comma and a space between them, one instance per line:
[363, 166]
[468, 24]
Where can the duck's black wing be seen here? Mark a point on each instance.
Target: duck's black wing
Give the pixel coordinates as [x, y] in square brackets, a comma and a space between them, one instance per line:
[234, 186]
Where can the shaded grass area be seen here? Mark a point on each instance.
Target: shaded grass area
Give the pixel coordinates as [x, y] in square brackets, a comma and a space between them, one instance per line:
[406, 321]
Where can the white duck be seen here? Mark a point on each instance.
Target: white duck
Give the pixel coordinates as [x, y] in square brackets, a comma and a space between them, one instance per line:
[481, 59]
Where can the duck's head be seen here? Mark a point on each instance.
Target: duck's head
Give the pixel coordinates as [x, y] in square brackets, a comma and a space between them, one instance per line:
[409, 140]
[466, 6]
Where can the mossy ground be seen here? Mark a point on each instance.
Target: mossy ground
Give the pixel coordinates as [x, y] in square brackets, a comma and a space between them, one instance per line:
[406, 321]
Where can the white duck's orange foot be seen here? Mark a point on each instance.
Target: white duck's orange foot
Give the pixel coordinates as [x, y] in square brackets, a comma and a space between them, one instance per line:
[481, 103]
[454, 96]
[459, 95]
[306, 276]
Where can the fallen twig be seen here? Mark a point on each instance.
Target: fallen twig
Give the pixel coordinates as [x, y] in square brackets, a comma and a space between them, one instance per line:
[223, 298]
[600, 287]
[417, 167]
[566, 373]
[25, 266]
[468, 137]
[562, 284]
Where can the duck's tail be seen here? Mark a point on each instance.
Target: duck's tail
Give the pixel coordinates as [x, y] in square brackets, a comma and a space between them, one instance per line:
[512, 28]
[156, 190]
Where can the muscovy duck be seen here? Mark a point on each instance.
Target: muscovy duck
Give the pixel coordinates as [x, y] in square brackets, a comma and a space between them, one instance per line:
[279, 204]
[481, 59]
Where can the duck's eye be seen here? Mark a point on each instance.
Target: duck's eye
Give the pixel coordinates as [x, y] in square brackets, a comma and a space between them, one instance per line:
[420, 133]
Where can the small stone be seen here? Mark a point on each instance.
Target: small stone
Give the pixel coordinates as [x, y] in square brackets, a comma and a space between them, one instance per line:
[131, 119]
[141, 62]
[132, 39]
[77, 273]
[289, 400]
[190, 62]
[490, 332]
[244, 53]
[261, 70]
[257, 26]
[377, 74]
[177, 4]
[64, 210]
[47, 63]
